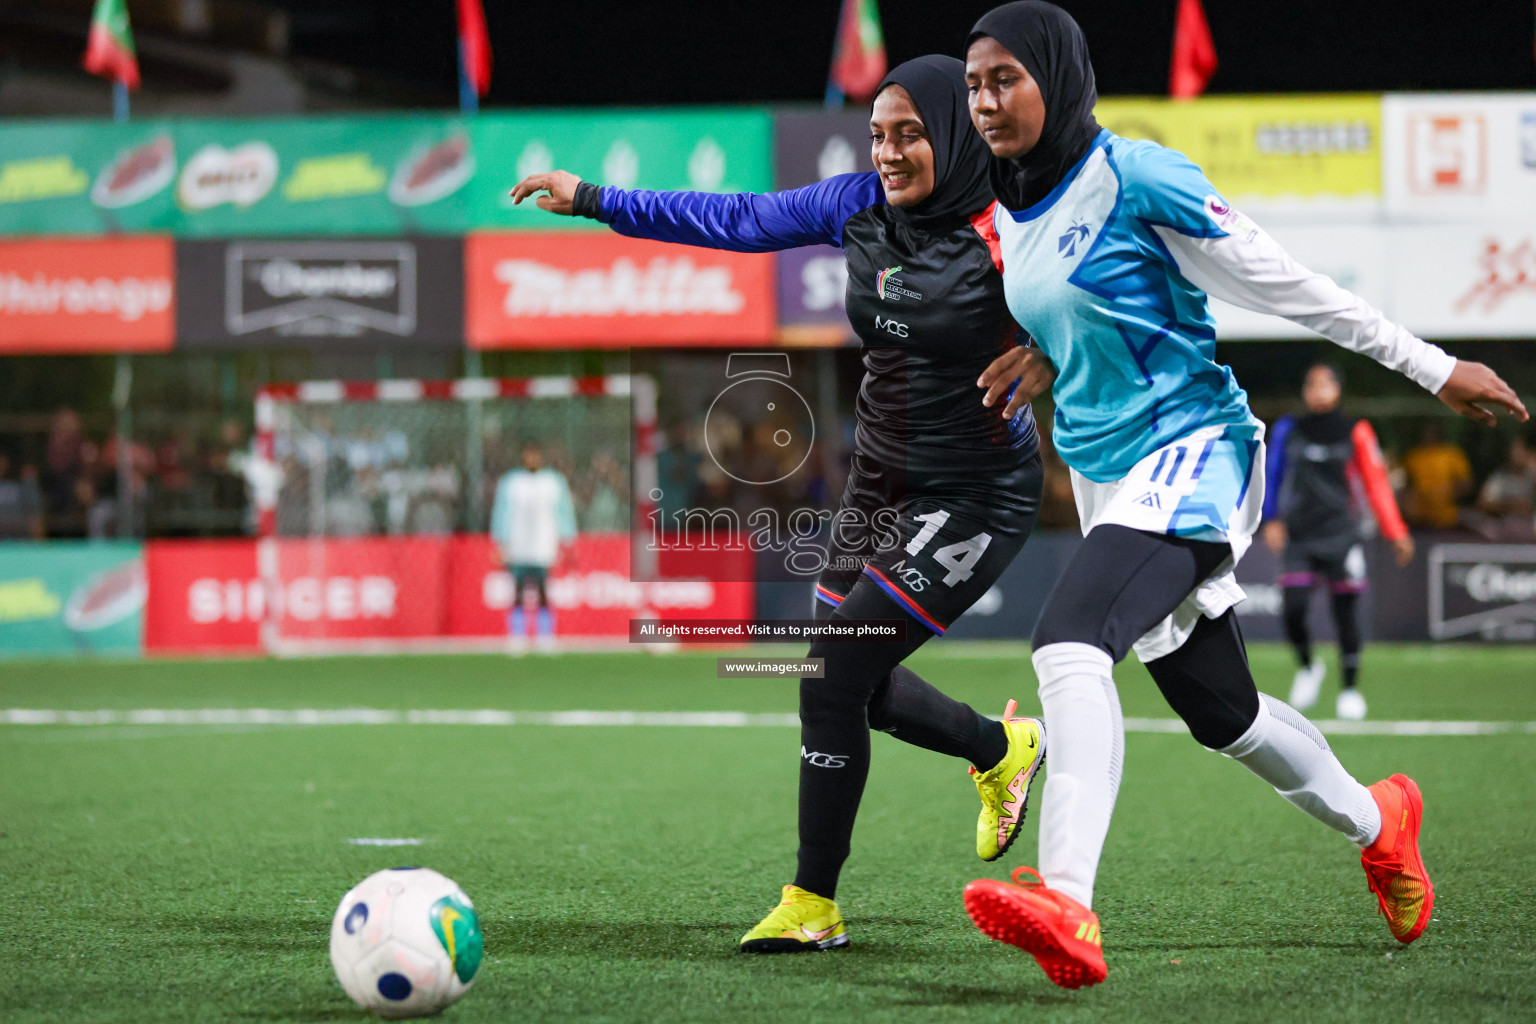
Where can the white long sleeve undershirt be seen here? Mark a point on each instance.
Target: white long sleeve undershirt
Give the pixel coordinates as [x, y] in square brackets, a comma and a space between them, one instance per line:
[1248, 268]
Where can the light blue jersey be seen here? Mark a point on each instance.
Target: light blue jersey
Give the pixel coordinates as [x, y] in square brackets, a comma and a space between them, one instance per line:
[1088, 272]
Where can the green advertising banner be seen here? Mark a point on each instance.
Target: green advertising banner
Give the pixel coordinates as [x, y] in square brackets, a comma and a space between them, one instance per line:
[68, 597]
[366, 175]
[701, 150]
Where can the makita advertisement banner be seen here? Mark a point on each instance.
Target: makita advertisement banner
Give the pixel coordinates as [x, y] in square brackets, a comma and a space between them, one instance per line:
[359, 175]
[530, 290]
[255, 292]
[87, 295]
[208, 596]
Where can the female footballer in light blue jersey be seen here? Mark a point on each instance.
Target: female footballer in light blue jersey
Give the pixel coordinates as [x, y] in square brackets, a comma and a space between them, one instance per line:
[1110, 248]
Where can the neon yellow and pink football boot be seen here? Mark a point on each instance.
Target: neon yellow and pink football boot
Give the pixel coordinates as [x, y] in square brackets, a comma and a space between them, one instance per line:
[803, 922]
[1004, 788]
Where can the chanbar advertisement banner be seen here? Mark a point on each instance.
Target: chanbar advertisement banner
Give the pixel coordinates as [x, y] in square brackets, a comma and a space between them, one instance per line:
[1482, 592]
[1460, 156]
[358, 175]
[528, 290]
[87, 295]
[1267, 150]
[321, 293]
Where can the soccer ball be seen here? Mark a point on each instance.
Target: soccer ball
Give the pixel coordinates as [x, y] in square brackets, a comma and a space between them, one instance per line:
[405, 942]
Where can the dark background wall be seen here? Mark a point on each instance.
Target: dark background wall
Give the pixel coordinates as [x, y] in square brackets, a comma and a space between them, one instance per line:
[611, 52]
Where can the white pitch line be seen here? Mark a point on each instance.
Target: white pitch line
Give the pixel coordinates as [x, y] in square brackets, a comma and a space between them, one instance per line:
[692, 719]
[384, 842]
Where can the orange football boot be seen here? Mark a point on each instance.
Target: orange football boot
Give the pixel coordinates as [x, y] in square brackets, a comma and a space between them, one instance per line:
[1059, 932]
[1394, 869]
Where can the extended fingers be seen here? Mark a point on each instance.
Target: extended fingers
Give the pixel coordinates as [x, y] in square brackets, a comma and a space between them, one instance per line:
[528, 186]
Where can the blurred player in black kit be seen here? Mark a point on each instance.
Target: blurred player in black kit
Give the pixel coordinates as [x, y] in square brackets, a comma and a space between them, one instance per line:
[1324, 465]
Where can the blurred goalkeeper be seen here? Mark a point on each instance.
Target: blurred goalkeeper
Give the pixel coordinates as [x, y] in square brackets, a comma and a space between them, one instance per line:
[531, 521]
[1323, 462]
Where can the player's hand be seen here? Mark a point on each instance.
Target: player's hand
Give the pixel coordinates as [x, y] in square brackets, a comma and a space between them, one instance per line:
[1472, 386]
[1275, 536]
[1027, 366]
[561, 186]
[1402, 548]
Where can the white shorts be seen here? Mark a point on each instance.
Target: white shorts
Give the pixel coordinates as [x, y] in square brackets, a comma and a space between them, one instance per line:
[1206, 486]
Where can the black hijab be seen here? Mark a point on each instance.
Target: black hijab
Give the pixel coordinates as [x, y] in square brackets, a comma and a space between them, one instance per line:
[960, 155]
[1049, 44]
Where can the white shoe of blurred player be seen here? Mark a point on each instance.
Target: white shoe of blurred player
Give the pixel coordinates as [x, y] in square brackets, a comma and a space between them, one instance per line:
[1306, 684]
[545, 645]
[1351, 706]
[517, 646]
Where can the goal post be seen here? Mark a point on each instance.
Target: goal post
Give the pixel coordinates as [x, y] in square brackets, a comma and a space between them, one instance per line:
[374, 500]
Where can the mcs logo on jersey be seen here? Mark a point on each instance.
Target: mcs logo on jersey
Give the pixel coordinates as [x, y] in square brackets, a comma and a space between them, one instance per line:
[554, 289]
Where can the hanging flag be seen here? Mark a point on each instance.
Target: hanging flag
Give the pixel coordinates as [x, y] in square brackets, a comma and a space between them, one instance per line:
[474, 46]
[109, 49]
[1194, 52]
[858, 57]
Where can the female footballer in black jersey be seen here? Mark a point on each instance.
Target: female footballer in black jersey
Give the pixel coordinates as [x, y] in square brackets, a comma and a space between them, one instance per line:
[960, 486]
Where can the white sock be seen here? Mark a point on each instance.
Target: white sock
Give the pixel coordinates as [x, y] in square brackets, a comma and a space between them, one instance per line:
[1285, 750]
[1085, 751]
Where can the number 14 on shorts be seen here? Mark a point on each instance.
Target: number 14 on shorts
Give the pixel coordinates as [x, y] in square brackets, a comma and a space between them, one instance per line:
[959, 558]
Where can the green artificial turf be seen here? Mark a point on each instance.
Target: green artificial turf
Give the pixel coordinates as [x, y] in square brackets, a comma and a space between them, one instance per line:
[189, 873]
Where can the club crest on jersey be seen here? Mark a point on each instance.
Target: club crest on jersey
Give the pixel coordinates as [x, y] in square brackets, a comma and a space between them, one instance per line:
[890, 288]
[1067, 244]
[1229, 220]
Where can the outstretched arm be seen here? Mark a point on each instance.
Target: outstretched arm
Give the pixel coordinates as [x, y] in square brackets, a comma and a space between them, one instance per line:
[741, 221]
[1222, 252]
[1248, 268]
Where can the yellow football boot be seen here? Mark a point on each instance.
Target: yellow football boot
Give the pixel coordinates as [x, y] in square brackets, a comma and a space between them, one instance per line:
[802, 923]
[1004, 787]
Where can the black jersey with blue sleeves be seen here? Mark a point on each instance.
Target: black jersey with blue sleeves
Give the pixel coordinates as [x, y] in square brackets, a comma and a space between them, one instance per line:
[926, 302]
[744, 221]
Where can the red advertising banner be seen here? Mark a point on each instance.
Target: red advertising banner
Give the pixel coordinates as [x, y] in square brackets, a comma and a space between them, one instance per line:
[87, 295]
[556, 289]
[206, 596]
[590, 590]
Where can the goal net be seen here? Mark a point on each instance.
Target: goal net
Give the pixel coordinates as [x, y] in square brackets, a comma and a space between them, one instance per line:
[374, 501]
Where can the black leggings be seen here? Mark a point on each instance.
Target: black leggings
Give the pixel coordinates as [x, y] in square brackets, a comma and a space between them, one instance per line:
[1345, 606]
[865, 686]
[1120, 584]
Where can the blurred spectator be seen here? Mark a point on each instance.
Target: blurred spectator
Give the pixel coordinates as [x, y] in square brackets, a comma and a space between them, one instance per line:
[677, 469]
[1439, 477]
[602, 494]
[67, 492]
[21, 503]
[1507, 501]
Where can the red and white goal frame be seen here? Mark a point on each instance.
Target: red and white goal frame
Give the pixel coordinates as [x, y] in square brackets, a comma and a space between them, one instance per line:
[267, 479]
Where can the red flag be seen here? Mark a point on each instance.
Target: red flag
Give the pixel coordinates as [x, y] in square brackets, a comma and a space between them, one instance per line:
[109, 48]
[1194, 52]
[475, 46]
[858, 59]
